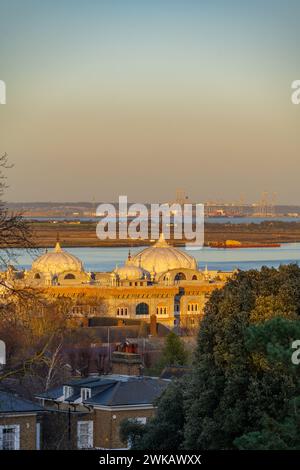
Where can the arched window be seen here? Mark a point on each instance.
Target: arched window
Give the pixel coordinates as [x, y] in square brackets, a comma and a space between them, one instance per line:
[37, 276]
[180, 277]
[142, 309]
[194, 278]
[161, 310]
[69, 276]
[193, 307]
[122, 311]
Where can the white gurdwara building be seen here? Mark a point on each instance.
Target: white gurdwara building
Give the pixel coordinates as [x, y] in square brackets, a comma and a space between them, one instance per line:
[161, 280]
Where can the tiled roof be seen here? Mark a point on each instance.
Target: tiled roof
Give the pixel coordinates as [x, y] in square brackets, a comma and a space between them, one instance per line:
[114, 390]
[83, 382]
[52, 394]
[10, 403]
[136, 391]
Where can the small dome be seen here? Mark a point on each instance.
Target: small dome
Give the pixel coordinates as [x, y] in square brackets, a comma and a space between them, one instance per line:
[162, 257]
[131, 272]
[56, 262]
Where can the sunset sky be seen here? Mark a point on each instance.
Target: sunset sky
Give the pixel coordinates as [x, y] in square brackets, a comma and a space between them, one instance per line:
[142, 97]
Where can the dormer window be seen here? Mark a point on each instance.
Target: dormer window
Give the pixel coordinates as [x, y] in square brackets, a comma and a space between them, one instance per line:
[68, 391]
[86, 393]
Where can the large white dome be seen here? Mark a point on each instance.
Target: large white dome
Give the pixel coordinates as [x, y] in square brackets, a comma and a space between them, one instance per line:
[56, 262]
[162, 257]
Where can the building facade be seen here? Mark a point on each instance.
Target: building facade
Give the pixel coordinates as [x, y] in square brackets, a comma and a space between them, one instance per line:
[161, 281]
[100, 404]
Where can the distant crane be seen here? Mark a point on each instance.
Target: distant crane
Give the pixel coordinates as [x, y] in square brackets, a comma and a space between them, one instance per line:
[266, 206]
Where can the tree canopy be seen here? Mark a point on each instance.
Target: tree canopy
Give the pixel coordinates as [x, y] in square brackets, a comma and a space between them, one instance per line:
[243, 388]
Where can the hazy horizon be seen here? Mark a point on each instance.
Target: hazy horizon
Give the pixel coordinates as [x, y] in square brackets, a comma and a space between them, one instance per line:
[140, 98]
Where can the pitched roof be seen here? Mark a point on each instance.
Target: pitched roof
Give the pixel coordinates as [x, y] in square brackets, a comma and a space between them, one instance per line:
[10, 403]
[113, 390]
[135, 391]
[52, 394]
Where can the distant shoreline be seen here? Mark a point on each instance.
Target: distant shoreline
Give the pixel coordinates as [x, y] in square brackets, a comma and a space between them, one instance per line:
[84, 234]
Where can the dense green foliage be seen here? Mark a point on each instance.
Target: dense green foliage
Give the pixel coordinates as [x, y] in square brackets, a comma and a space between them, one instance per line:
[174, 352]
[243, 391]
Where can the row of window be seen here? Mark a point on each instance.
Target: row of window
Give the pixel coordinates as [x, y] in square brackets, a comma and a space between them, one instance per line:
[122, 311]
[161, 310]
[67, 276]
[143, 309]
[136, 283]
[180, 277]
[84, 309]
[84, 392]
[10, 435]
[193, 307]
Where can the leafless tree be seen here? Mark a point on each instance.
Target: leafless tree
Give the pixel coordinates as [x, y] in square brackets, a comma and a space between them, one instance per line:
[15, 231]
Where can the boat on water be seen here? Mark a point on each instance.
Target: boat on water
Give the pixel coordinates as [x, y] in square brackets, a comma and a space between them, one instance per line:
[238, 244]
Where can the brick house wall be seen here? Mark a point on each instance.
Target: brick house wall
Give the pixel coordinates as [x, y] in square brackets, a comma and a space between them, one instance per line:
[60, 429]
[107, 426]
[27, 425]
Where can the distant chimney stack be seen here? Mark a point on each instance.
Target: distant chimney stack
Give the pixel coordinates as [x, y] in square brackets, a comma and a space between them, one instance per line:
[125, 361]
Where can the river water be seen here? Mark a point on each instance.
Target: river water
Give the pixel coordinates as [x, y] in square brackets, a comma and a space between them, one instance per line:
[106, 259]
[214, 220]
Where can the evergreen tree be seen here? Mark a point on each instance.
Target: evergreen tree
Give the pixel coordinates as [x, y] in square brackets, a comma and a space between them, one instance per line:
[242, 368]
[274, 435]
[244, 390]
[174, 352]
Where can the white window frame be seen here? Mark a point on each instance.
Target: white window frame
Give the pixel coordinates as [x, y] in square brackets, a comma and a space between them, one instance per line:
[141, 420]
[68, 391]
[38, 436]
[85, 393]
[89, 435]
[138, 419]
[16, 428]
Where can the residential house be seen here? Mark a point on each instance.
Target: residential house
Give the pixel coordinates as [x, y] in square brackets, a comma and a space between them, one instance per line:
[20, 423]
[97, 405]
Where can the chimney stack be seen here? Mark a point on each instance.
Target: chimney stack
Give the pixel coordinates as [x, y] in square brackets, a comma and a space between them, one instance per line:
[125, 361]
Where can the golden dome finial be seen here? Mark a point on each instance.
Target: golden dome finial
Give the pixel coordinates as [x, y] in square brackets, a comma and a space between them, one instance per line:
[161, 241]
[57, 248]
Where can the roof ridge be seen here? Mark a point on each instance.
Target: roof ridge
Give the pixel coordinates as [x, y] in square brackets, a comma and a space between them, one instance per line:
[117, 386]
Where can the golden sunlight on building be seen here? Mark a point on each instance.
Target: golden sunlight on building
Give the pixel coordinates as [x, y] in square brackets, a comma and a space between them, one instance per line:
[161, 281]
